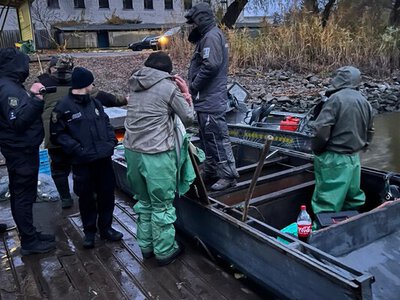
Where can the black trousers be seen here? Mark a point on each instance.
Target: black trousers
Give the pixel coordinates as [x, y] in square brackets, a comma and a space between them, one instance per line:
[94, 183]
[60, 170]
[215, 141]
[23, 168]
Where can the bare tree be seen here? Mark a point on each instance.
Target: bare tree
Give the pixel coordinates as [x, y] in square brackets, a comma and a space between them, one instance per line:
[233, 12]
[46, 17]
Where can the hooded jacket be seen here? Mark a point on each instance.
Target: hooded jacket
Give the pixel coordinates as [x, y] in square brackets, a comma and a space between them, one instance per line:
[345, 124]
[154, 100]
[208, 71]
[20, 122]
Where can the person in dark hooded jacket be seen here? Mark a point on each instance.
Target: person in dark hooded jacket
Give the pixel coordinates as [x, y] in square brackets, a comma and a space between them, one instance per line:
[21, 133]
[343, 127]
[208, 86]
[81, 127]
[59, 75]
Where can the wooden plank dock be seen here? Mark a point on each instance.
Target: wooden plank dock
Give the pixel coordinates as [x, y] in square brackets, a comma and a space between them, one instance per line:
[110, 270]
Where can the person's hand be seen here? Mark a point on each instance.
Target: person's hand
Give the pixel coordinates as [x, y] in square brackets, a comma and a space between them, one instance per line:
[35, 89]
[181, 83]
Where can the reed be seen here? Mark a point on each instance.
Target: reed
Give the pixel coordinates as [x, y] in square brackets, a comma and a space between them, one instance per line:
[301, 44]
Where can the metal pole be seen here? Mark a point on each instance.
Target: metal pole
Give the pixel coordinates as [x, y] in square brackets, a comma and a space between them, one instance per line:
[256, 174]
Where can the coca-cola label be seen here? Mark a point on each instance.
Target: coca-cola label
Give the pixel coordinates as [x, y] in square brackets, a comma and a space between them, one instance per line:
[303, 230]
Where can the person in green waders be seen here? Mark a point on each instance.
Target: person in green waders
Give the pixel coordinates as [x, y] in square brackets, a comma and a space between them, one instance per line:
[343, 128]
[156, 98]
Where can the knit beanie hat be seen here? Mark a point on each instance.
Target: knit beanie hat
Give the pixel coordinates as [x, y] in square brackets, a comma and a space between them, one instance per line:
[160, 61]
[81, 78]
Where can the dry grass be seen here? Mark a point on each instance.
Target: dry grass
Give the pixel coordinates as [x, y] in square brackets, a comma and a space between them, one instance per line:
[303, 45]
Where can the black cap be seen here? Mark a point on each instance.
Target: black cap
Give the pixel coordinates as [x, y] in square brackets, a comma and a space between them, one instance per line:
[81, 78]
[160, 61]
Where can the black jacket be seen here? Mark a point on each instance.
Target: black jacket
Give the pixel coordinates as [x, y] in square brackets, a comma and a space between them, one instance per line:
[20, 121]
[62, 80]
[82, 128]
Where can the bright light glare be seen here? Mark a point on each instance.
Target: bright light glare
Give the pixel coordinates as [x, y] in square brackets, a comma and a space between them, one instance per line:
[163, 40]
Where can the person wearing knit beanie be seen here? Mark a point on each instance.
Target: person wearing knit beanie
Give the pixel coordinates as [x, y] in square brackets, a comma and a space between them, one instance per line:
[82, 129]
[160, 61]
[81, 78]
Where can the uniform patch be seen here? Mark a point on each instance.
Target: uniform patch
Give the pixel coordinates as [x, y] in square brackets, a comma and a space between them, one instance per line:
[76, 116]
[13, 102]
[96, 111]
[206, 53]
[54, 117]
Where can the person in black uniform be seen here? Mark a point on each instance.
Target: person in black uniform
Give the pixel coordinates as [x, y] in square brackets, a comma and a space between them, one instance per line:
[21, 133]
[82, 128]
[59, 75]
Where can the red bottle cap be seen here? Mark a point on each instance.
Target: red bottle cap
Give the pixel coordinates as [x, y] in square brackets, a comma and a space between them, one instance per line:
[303, 207]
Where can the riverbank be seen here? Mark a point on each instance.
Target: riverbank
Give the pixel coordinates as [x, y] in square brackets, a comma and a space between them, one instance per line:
[289, 91]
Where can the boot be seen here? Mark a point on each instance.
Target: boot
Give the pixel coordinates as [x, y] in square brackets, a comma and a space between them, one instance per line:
[223, 184]
[208, 179]
[111, 235]
[37, 247]
[88, 240]
[170, 259]
[147, 255]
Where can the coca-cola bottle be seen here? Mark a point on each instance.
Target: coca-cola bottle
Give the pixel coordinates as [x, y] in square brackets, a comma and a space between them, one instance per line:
[303, 224]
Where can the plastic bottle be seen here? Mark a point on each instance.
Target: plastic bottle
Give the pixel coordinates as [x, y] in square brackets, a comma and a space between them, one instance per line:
[304, 224]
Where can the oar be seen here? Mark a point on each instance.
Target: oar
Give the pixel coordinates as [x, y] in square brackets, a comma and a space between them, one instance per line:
[256, 174]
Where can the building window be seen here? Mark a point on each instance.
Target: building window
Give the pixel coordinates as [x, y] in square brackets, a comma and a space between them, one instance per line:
[168, 4]
[79, 3]
[187, 4]
[53, 4]
[127, 4]
[104, 4]
[148, 4]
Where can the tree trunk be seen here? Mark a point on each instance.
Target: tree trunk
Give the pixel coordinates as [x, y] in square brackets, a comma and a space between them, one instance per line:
[233, 12]
[394, 19]
[327, 12]
[311, 6]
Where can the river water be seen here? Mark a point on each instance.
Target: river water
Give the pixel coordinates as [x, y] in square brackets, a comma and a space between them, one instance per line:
[384, 152]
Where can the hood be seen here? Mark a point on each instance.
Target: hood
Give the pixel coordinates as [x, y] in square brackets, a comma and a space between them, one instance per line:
[202, 16]
[345, 77]
[14, 65]
[145, 78]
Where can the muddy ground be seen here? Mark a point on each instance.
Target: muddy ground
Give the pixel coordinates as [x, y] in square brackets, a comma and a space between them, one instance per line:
[289, 91]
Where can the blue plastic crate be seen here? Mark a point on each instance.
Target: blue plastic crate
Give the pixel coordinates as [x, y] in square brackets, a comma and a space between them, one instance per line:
[44, 162]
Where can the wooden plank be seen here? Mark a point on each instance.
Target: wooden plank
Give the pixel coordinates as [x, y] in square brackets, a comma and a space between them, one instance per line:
[191, 270]
[51, 277]
[24, 274]
[119, 287]
[8, 286]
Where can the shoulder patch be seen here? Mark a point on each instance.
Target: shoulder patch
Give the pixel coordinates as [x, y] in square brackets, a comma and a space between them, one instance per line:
[206, 52]
[13, 102]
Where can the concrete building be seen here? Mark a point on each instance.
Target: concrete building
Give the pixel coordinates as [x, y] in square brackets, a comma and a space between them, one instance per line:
[104, 23]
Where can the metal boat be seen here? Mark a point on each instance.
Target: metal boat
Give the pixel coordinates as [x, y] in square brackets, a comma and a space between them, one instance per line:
[353, 259]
